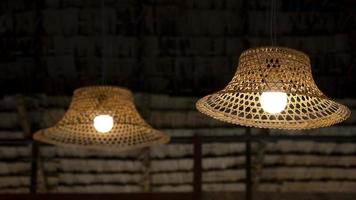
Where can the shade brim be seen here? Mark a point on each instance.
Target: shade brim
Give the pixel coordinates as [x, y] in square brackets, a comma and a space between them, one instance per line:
[125, 141]
[302, 112]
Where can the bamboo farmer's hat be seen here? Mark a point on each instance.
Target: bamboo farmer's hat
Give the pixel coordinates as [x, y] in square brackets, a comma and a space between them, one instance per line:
[286, 75]
[102, 117]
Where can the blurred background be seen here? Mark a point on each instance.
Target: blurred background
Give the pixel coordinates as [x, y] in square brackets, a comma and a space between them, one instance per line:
[170, 53]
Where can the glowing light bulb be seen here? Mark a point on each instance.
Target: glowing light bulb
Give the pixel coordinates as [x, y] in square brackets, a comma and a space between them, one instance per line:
[103, 123]
[273, 102]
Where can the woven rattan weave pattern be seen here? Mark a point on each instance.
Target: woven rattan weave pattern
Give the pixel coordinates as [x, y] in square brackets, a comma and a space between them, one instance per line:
[273, 69]
[76, 128]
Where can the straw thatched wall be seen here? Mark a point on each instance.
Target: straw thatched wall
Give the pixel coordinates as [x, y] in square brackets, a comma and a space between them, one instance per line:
[289, 166]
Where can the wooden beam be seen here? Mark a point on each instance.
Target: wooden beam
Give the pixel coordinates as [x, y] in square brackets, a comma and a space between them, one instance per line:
[258, 162]
[23, 117]
[197, 182]
[34, 167]
[181, 196]
[121, 196]
[26, 127]
[249, 183]
[146, 164]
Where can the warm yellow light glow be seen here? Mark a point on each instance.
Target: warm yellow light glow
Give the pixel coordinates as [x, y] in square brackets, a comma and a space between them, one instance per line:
[103, 123]
[273, 102]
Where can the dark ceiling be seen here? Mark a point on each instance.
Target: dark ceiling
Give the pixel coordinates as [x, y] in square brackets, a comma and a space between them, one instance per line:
[181, 47]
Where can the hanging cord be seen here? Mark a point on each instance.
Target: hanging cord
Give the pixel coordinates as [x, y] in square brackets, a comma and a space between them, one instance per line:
[103, 63]
[273, 22]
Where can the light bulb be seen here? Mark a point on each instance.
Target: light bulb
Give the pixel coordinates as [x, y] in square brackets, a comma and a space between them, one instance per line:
[103, 123]
[273, 102]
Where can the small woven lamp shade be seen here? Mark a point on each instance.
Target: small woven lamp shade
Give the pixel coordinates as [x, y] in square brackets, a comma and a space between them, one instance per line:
[273, 69]
[76, 128]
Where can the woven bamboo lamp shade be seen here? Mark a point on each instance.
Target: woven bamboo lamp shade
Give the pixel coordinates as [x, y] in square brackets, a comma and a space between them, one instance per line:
[278, 71]
[77, 128]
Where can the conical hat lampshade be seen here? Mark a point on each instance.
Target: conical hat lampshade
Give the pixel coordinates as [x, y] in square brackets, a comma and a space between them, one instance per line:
[102, 117]
[273, 87]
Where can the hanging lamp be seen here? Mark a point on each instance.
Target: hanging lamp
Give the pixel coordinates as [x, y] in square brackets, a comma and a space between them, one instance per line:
[102, 117]
[273, 87]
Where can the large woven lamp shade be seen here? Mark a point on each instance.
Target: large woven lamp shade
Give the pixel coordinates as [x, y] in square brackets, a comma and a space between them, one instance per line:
[102, 117]
[273, 87]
